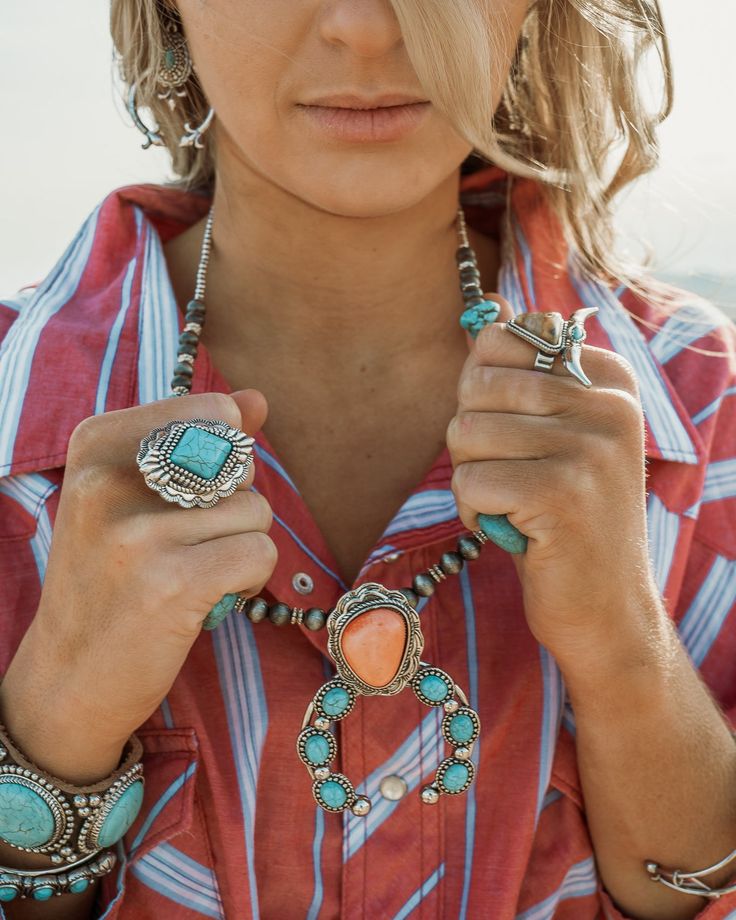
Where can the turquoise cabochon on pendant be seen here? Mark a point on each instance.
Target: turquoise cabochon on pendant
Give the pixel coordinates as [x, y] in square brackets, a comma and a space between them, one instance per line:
[25, 818]
[332, 793]
[462, 728]
[201, 452]
[434, 688]
[335, 701]
[455, 777]
[317, 749]
[122, 815]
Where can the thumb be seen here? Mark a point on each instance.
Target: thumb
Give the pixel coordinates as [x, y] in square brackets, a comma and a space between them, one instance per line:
[494, 309]
[253, 409]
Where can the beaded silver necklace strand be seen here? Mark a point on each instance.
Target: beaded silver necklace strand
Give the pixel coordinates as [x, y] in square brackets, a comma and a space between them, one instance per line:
[469, 544]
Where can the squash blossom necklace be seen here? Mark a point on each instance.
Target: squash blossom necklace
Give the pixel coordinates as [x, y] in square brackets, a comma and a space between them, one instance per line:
[374, 635]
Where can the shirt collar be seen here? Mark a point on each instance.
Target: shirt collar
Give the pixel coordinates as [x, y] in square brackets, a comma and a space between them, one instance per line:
[100, 331]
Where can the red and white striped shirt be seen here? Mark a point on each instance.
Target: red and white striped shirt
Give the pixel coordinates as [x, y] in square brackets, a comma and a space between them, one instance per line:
[228, 826]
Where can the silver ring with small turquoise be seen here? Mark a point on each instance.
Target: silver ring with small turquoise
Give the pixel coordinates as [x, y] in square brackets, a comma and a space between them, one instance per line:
[552, 335]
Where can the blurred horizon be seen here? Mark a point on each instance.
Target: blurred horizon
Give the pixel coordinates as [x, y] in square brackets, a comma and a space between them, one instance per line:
[76, 123]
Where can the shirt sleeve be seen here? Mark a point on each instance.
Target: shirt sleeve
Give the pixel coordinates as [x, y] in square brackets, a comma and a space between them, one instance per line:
[706, 608]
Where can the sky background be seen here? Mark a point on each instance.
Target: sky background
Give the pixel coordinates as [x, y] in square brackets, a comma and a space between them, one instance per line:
[67, 141]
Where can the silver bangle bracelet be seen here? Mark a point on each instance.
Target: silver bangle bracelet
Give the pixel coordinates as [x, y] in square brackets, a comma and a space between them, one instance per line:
[691, 882]
[42, 884]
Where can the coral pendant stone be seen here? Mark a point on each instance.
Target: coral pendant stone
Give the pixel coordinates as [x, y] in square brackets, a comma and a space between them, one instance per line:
[546, 326]
[373, 645]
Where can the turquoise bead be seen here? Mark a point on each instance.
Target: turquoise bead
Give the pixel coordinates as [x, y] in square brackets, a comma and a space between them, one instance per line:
[25, 819]
[43, 892]
[482, 314]
[455, 777]
[222, 608]
[335, 701]
[499, 529]
[79, 884]
[201, 452]
[7, 893]
[122, 815]
[332, 793]
[576, 333]
[317, 749]
[462, 728]
[434, 688]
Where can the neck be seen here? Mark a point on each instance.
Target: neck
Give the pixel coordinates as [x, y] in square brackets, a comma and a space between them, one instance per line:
[308, 287]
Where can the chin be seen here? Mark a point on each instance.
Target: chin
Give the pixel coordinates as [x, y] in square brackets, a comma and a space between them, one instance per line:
[353, 185]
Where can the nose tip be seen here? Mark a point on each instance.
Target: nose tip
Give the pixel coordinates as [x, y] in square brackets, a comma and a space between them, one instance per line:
[369, 28]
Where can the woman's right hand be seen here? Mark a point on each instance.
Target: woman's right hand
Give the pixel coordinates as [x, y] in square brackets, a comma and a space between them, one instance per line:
[130, 580]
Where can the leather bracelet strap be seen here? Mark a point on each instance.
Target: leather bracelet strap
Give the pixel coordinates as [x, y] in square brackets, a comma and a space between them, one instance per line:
[131, 754]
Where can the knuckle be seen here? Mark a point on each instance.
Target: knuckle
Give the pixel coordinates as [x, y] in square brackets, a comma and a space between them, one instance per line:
[261, 511]
[486, 342]
[620, 370]
[466, 481]
[221, 406]
[88, 482]
[83, 437]
[262, 554]
[477, 379]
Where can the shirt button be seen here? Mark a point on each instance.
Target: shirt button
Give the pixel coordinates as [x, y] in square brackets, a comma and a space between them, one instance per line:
[302, 583]
[393, 787]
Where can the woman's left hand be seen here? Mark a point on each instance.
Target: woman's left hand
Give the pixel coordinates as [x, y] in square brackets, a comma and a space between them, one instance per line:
[566, 463]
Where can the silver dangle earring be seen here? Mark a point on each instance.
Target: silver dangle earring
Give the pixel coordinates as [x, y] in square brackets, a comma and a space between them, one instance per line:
[177, 67]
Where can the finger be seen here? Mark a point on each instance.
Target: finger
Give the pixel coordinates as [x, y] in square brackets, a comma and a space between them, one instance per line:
[497, 487]
[504, 436]
[488, 388]
[496, 346]
[242, 512]
[241, 562]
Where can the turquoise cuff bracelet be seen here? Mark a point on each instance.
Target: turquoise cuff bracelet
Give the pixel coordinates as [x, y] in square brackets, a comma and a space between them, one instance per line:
[40, 813]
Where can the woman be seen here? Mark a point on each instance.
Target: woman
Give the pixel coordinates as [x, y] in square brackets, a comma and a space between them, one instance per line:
[334, 142]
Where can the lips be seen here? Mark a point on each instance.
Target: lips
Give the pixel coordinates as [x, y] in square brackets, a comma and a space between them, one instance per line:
[381, 123]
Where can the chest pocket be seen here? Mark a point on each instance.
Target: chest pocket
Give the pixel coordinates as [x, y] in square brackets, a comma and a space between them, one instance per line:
[170, 867]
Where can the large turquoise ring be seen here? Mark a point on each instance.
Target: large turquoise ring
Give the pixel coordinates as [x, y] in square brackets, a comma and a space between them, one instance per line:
[196, 462]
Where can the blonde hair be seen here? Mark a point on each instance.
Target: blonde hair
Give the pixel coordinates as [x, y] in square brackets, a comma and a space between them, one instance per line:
[571, 97]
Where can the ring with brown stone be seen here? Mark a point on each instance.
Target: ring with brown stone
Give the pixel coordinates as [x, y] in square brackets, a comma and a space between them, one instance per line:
[553, 335]
[376, 642]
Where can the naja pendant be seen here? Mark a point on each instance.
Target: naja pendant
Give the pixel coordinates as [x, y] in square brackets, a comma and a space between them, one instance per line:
[376, 642]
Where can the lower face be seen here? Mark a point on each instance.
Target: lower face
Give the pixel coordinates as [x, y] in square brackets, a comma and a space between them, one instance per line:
[264, 67]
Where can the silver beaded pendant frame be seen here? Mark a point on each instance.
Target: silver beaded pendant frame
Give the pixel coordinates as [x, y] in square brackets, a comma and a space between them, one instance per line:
[176, 484]
[371, 596]
[317, 746]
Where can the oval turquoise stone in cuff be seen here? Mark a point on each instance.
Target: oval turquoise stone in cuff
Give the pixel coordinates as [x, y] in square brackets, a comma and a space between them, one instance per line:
[122, 815]
[480, 315]
[25, 818]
